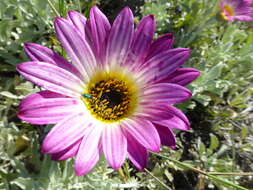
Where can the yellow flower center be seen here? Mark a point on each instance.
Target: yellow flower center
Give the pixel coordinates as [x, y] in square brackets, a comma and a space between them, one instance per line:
[113, 96]
[227, 11]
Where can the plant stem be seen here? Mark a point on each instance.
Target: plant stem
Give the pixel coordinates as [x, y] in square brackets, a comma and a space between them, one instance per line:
[53, 8]
[79, 6]
[163, 184]
[231, 173]
[233, 152]
[122, 175]
[215, 178]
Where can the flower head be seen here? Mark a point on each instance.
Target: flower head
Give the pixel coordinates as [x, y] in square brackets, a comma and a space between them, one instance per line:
[114, 97]
[236, 10]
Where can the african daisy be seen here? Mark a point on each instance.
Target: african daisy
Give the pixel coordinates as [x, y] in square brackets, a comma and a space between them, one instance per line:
[114, 96]
[232, 10]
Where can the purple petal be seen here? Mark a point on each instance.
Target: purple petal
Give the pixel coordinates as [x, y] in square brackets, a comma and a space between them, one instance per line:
[67, 153]
[81, 24]
[173, 123]
[114, 146]
[182, 76]
[162, 43]
[76, 47]
[244, 18]
[65, 133]
[248, 1]
[120, 38]
[47, 107]
[141, 41]
[165, 115]
[164, 93]
[40, 53]
[163, 64]
[178, 121]
[100, 28]
[52, 78]
[232, 3]
[178, 113]
[144, 132]
[153, 112]
[243, 7]
[136, 152]
[88, 153]
[89, 35]
[166, 135]
[78, 20]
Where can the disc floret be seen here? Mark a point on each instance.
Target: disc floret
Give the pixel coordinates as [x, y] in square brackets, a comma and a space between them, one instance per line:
[113, 97]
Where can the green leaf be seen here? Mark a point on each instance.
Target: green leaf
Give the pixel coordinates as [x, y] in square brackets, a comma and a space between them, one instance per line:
[214, 72]
[214, 142]
[244, 132]
[201, 147]
[23, 183]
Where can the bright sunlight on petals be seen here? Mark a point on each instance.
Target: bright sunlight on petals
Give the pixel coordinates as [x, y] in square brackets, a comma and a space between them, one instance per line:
[115, 93]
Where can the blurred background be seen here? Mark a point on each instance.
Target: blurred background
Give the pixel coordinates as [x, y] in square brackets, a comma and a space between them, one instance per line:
[220, 111]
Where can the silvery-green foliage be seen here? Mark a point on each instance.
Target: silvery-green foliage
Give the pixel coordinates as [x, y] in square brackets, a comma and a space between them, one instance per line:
[217, 46]
[220, 110]
[26, 21]
[222, 51]
[22, 166]
[22, 21]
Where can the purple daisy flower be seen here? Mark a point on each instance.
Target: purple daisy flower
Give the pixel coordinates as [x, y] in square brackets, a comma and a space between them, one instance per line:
[236, 10]
[115, 95]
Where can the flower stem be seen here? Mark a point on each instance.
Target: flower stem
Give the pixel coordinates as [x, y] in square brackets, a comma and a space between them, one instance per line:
[79, 6]
[122, 175]
[163, 184]
[53, 8]
[208, 174]
[232, 173]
